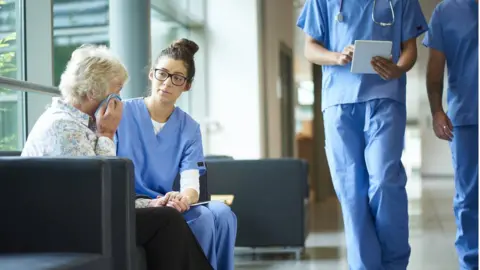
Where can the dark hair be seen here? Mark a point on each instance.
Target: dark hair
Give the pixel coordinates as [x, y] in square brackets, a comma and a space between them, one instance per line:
[182, 49]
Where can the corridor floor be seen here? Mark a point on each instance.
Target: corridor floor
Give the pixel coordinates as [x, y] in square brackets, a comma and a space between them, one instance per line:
[432, 234]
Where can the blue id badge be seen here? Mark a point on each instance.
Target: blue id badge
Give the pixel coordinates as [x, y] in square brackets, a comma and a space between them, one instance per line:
[107, 100]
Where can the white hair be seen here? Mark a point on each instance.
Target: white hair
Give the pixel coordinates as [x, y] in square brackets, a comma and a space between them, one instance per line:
[89, 72]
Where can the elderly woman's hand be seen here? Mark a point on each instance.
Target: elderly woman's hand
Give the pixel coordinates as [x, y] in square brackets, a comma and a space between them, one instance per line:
[156, 203]
[176, 200]
[108, 118]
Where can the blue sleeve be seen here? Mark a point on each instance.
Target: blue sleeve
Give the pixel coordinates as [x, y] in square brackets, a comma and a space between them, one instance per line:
[312, 20]
[414, 22]
[115, 140]
[192, 157]
[434, 38]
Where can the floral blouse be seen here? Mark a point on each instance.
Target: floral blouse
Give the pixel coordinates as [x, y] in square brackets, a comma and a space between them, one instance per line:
[63, 130]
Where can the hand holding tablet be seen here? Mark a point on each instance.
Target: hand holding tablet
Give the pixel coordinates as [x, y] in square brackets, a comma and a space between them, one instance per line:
[365, 51]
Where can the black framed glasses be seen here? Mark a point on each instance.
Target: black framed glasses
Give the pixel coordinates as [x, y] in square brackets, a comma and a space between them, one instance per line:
[162, 75]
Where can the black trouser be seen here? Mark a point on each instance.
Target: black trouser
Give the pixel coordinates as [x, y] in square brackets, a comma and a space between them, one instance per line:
[168, 241]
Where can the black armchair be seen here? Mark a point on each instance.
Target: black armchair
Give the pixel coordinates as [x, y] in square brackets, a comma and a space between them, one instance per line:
[55, 213]
[84, 209]
[277, 217]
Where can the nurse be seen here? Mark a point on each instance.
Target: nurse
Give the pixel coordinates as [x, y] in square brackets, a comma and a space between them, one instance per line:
[453, 40]
[163, 141]
[365, 119]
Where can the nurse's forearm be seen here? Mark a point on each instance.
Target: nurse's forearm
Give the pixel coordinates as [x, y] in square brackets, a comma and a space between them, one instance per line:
[192, 195]
[435, 73]
[317, 54]
[435, 93]
[408, 56]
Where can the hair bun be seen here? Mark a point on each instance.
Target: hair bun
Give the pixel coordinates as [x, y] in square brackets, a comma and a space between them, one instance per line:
[186, 44]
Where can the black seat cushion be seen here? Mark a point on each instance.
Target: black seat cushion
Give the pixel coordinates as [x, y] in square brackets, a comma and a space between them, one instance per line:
[52, 261]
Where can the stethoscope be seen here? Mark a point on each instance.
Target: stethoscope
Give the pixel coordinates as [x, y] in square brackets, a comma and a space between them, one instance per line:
[339, 16]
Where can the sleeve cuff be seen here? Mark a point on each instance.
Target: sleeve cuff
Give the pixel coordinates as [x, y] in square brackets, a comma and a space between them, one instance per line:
[142, 203]
[431, 45]
[416, 34]
[105, 147]
[190, 179]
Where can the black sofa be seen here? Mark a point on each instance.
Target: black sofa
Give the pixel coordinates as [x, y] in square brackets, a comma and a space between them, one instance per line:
[55, 214]
[101, 195]
[270, 200]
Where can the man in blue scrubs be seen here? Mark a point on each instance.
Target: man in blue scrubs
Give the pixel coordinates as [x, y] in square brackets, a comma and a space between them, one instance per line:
[365, 120]
[453, 39]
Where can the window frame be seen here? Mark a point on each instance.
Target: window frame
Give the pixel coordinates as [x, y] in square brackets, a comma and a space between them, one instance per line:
[38, 67]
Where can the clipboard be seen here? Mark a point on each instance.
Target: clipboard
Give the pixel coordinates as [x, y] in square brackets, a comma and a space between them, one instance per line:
[200, 203]
[365, 50]
[226, 199]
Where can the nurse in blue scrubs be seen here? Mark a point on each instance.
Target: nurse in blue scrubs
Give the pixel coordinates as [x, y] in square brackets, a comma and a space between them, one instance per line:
[453, 40]
[163, 141]
[365, 120]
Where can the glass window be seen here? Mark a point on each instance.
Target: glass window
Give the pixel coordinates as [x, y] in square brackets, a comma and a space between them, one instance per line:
[77, 22]
[11, 102]
[197, 9]
[164, 32]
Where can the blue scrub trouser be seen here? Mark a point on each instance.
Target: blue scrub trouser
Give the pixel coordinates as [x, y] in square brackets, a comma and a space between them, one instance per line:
[364, 144]
[464, 147]
[215, 227]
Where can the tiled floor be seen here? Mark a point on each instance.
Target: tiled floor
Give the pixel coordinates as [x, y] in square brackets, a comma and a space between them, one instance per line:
[432, 233]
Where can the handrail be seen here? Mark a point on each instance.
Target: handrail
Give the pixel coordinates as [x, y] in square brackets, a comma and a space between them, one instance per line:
[14, 84]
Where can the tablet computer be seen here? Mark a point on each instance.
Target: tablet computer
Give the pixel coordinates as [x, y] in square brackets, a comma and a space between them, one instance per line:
[365, 50]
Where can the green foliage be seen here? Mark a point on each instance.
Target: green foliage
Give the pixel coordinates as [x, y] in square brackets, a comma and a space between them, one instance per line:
[8, 65]
[8, 59]
[8, 68]
[8, 143]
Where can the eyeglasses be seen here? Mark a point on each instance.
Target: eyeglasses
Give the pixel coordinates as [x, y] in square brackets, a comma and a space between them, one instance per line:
[162, 75]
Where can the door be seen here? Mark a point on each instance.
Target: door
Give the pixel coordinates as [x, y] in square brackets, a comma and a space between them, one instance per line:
[286, 89]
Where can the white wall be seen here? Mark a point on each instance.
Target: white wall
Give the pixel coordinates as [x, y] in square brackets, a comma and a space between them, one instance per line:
[243, 39]
[233, 78]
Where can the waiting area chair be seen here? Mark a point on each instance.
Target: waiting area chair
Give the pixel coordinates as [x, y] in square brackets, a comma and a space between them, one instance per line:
[55, 214]
[69, 213]
[269, 200]
[79, 213]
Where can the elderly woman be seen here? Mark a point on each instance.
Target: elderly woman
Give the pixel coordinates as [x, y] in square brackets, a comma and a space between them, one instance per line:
[79, 124]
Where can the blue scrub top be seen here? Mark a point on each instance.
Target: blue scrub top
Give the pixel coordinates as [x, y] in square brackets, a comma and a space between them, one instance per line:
[454, 31]
[158, 159]
[340, 86]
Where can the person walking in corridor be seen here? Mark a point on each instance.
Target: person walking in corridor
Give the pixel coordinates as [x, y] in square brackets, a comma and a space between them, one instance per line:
[365, 120]
[453, 40]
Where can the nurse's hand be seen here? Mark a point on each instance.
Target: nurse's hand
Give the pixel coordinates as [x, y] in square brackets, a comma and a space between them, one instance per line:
[181, 205]
[170, 196]
[346, 56]
[442, 126]
[386, 68]
[108, 118]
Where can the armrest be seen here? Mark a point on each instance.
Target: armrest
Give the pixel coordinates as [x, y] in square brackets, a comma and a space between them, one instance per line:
[55, 205]
[123, 213]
